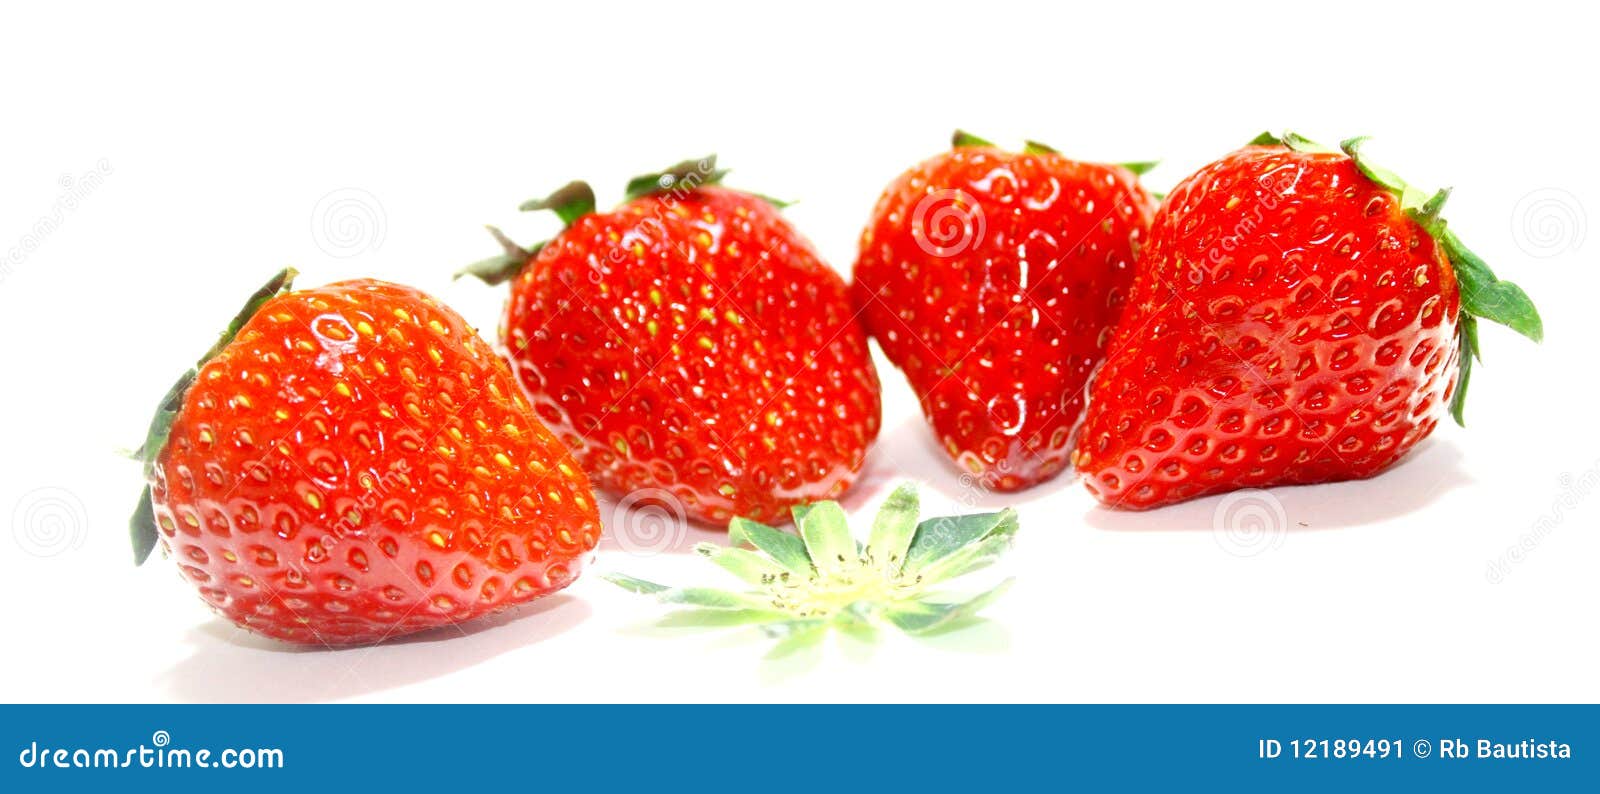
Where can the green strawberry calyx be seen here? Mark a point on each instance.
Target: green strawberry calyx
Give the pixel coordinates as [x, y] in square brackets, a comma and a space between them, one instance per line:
[142, 526]
[576, 199]
[965, 140]
[1483, 295]
[799, 585]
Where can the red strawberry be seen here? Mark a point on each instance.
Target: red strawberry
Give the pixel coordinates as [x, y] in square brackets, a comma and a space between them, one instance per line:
[991, 278]
[1299, 316]
[690, 346]
[353, 463]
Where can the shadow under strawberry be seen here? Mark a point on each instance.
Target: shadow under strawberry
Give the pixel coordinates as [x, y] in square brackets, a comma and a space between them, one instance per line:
[1429, 473]
[231, 665]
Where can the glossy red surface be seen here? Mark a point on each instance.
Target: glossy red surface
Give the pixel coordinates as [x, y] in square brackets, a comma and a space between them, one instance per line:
[1288, 324]
[991, 279]
[357, 465]
[693, 350]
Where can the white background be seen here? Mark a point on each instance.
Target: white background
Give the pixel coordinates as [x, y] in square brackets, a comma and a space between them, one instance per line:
[233, 142]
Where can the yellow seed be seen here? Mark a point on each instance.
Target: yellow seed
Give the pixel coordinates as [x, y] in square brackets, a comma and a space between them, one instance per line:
[313, 500]
[438, 327]
[502, 459]
[436, 538]
[342, 389]
[364, 328]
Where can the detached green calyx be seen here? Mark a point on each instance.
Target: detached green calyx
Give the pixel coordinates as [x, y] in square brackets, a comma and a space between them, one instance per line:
[142, 526]
[802, 584]
[1483, 295]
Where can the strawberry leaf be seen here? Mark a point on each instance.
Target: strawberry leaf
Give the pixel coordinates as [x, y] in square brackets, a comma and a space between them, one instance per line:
[504, 267]
[821, 579]
[142, 528]
[1300, 143]
[142, 524]
[1468, 334]
[712, 598]
[1483, 295]
[962, 139]
[633, 585]
[708, 618]
[826, 533]
[747, 565]
[680, 178]
[1486, 296]
[893, 528]
[785, 549]
[938, 538]
[570, 202]
[929, 616]
[969, 558]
